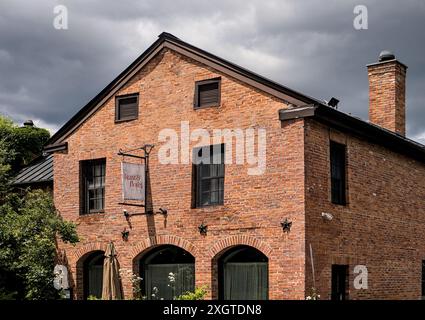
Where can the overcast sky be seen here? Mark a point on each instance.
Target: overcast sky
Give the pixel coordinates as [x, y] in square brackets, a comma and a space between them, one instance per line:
[311, 46]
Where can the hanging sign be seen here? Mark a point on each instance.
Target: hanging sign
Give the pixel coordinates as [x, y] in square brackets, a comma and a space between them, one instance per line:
[133, 181]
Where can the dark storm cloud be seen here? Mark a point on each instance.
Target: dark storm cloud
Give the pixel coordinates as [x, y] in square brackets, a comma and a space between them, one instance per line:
[311, 46]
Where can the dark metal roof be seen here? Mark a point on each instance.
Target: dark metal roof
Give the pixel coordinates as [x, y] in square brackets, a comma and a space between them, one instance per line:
[38, 171]
[357, 127]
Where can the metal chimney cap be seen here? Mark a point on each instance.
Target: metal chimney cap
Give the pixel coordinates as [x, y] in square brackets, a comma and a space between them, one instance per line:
[29, 123]
[386, 55]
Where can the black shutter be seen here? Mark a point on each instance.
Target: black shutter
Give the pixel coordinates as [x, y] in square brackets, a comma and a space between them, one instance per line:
[339, 282]
[194, 186]
[207, 93]
[127, 108]
[338, 181]
[423, 279]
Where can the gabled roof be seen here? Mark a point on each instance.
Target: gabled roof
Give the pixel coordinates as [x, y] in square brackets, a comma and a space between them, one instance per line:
[303, 105]
[167, 40]
[357, 127]
[38, 171]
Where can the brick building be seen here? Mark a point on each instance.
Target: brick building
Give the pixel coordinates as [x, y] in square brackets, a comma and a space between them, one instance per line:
[337, 192]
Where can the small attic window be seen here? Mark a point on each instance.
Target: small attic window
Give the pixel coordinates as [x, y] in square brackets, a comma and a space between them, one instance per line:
[207, 93]
[127, 107]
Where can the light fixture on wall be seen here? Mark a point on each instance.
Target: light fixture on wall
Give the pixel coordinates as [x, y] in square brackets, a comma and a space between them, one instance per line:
[286, 225]
[327, 216]
[203, 229]
[125, 233]
[163, 211]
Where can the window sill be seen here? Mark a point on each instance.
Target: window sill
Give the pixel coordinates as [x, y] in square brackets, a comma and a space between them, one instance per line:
[207, 106]
[345, 205]
[92, 213]
[117, 121]
[208, 206]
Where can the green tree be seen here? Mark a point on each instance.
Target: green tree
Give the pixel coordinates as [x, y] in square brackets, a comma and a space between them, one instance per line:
[4, 170]
[29, 227]
[29, 224]
[23, 143]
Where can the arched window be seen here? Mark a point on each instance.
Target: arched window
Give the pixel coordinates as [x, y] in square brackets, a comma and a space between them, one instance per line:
[243, 274]
[167, 272]
[93, 274]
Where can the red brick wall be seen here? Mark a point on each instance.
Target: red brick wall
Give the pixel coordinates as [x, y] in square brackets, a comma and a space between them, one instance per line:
[387, 90]
[253, 206]
[382, 226]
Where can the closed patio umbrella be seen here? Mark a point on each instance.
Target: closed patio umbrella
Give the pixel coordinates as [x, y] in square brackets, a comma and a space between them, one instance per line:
[111, 282]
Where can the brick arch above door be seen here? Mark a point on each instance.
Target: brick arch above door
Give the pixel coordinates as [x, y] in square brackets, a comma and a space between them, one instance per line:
[85, 249]
[238, 240]
[151, 242]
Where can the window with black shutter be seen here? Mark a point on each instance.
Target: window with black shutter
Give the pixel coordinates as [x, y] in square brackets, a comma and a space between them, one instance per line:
[338, 168]
[127, 107]
[207, 93]
[339, 284]
[209, 175]
[92, 185]
[423, 279]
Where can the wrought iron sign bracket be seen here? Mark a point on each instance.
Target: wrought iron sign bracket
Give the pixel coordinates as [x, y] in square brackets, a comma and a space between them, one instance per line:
[128, 215]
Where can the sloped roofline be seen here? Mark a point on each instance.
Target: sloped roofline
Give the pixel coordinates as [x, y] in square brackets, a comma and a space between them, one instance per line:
[167, 40]
[357, 127]
[40, 170]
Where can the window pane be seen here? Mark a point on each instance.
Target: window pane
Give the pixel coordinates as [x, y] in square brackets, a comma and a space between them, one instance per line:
[205, 170]
[214, 197]
[97, 170]
[210, 180]
[205, 198]
[159, 286]
[94, 193]
[221, 185]
[205, 185]
[221, 196]
[245, 281]
[221, 170]
[214, 184]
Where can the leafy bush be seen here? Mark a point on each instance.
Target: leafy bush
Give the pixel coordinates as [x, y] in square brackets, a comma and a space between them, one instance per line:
[28, 230]
[198, 294]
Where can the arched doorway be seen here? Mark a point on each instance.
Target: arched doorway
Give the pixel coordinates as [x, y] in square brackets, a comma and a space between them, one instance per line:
[93, 274]
[243, 274]
[167, 272]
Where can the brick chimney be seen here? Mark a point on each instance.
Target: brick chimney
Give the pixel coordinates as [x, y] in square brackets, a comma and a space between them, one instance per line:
[387, 93]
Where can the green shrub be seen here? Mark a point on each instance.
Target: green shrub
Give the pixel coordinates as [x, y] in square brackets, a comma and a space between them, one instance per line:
[198, 294]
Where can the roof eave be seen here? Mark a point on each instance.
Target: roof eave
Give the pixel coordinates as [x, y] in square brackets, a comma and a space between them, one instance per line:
[358, 127]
